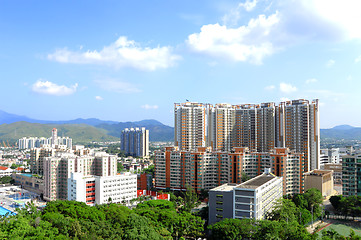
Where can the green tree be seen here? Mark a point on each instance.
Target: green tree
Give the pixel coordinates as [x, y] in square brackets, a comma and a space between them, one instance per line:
[244, 177]
[149, 170]
[285, 210]
[336, 201]
[314, 200]
[190, 199]
[233, 229]
[120, 167]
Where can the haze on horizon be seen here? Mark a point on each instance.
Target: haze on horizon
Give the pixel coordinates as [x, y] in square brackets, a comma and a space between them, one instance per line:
[129, 61]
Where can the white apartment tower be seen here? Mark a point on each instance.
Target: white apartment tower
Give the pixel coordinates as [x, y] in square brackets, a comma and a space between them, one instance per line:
[190, 125]
[58, 169]
[135, 142]
[300, 130]
[221, 127]
[54, 137]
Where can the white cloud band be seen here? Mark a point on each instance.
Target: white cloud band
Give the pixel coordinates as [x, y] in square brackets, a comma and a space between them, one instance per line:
[49, 88]
[122, 53]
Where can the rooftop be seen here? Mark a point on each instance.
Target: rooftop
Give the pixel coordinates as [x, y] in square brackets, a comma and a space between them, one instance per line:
[257, 181]
[318, 172]
[225, 187]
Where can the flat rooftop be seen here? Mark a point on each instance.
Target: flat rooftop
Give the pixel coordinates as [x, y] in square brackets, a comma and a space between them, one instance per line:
[225, 187]
[257, 181]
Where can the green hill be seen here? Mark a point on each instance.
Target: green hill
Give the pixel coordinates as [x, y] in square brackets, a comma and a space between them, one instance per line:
[80, 133]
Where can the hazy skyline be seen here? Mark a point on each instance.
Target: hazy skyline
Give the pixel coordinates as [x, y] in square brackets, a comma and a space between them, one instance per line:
[129, 61]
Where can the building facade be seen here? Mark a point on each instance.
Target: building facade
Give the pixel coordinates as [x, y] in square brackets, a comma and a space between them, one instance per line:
[102, 189]
[59, 168]
[53, 141]
[351, 175]
[135, 142]
[207, 169]
[260, 127]
[251, 199]
[321, 180]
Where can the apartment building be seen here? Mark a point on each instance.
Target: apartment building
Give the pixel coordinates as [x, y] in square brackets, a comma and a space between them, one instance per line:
[58, 169]
[135, 142]
[37, 156]
[206, 169]
[260, 127]
[221, 119]
[301, 130]
[93, 189]
[190, 125]
[251, 199]
[351, 175]
[53, 141]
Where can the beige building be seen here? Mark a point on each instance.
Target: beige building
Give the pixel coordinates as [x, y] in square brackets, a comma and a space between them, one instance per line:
[321, 180]
[58, 169]
[337, 171]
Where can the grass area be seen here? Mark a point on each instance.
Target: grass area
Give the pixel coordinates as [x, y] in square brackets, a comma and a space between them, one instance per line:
[343, 229]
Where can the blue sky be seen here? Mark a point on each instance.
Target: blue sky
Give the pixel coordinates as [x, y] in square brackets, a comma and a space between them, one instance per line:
[132, 60]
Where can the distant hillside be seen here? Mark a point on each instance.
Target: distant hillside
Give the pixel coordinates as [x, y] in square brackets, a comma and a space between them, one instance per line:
[157, 130]
[346, 132]
[12, 118]
[80, 133]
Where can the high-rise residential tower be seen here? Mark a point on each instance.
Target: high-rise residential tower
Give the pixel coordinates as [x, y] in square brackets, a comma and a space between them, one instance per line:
[135, 142]
[300, 130]
[260, 127]
[190, 125]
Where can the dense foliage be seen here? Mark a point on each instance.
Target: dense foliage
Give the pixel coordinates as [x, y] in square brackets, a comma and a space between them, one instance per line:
[331, 234]
[263, 229]
[6, 180]
[347, 206]
[155, 219]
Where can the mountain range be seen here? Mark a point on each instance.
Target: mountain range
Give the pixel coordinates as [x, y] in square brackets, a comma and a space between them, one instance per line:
[13, 127]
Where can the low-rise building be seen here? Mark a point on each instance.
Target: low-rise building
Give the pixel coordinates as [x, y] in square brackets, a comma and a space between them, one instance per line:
[102, 189]
[251, 199]
[29, 182]
[5, 171]
[337, 171]
[321, 180]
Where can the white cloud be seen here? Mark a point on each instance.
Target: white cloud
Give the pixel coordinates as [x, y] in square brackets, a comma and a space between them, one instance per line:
[330, 63]
[246, 43]
[311, 80]
[287, 88]
[234, 15]
[249, 5]
[147, 106]
[270, 88]
[99, 98]
[114, 85]
[121, 53]
[358, 59]
[49, 88]
[326, 20]
[290, 22]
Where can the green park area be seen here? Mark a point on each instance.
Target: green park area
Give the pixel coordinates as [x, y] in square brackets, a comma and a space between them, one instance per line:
[343, 228]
